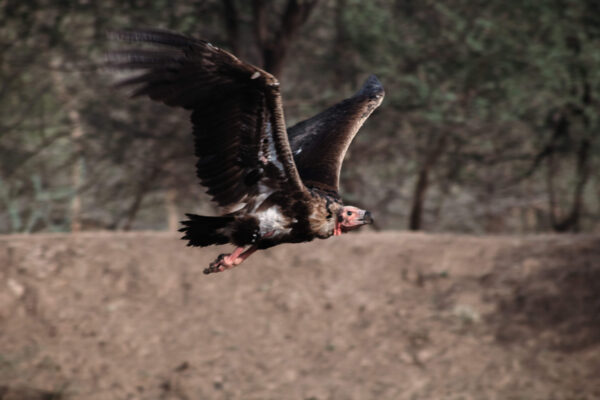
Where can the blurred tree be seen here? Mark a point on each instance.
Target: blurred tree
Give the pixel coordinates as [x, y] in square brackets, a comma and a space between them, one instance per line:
[489, 125]
[567, 123]
[466, 74]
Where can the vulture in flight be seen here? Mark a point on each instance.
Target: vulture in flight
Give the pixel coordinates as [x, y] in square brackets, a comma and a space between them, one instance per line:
[274, 185]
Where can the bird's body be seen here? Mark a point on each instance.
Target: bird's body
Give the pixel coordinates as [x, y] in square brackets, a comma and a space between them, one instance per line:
[275, 185]
[280, 218]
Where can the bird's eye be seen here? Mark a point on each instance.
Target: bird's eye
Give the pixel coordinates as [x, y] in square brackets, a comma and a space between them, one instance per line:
[348, 213]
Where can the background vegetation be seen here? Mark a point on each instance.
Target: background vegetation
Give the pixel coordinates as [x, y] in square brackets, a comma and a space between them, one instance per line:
[490, 122]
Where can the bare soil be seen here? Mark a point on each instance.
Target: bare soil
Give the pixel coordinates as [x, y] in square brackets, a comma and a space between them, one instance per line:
[364, 316]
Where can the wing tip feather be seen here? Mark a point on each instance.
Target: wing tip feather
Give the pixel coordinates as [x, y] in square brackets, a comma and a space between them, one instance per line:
[372, 87]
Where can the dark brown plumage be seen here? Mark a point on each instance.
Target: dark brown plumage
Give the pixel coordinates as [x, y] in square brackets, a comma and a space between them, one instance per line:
[272, 189]
[320, 143]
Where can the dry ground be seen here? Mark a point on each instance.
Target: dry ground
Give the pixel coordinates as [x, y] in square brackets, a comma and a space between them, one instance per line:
[365, 316]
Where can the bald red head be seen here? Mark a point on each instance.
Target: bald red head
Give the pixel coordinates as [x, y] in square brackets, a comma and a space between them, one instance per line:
[350, 218]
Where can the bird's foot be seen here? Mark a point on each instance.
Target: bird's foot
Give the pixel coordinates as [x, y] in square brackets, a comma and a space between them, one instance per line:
[227, 261]
[223, 262]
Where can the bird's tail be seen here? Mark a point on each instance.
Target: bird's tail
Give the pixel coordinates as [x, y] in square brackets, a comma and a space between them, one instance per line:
[204, 231]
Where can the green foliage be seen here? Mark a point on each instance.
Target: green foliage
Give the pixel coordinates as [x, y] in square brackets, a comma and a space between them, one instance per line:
[475, 93]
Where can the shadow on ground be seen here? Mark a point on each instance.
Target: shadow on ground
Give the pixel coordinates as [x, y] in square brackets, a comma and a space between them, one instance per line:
[552, 293]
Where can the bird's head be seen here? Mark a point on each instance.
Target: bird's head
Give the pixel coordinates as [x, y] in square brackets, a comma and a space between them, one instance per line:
[350, 218]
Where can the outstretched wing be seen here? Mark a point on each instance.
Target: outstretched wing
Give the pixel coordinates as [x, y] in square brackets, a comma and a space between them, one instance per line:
[238, 125]
[320, 143]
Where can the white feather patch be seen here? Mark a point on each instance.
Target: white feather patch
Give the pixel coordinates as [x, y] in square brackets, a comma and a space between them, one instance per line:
[272, 220]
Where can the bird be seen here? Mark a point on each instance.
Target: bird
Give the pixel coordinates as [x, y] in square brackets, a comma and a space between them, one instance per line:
[272, 184]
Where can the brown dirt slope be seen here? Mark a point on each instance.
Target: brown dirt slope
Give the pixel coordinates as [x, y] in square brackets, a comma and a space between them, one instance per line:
[365, 316]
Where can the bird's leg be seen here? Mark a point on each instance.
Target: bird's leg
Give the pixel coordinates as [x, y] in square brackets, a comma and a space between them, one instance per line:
[227, 261]
[245, 255]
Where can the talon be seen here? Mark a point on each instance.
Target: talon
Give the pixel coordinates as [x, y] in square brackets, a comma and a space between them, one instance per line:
[221, 263]
[209, 270]
[227, 261]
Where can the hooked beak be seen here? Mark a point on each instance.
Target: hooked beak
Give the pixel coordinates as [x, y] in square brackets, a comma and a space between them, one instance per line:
[366, 218]
[363, 218]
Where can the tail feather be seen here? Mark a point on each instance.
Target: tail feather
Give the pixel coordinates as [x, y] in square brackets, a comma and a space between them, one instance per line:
[203, 231]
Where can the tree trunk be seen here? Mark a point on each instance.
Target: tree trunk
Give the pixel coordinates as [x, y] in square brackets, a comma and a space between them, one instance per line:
[582, 171]
[343, 69]
[231, 19]
[274, 49]
[172, 210]
[142, 189]
[553, 208]
[570, 223]
[76, 135]
[416, 213]
[77, 173]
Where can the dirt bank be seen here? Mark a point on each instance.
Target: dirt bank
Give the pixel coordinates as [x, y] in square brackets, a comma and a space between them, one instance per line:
[365, 316]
